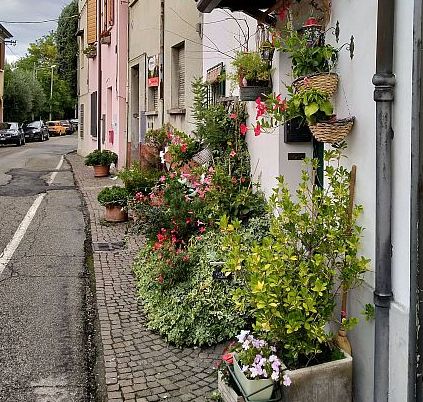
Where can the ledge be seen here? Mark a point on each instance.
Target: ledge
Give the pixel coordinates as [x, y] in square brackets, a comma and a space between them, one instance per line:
[152, 113]
[177, 111]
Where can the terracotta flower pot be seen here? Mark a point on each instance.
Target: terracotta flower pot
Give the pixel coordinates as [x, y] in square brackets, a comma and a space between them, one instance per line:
[101, 171]
[114, 213]
[149, 156]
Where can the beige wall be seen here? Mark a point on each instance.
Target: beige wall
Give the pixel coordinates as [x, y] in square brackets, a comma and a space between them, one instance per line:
[2, 55]
[181, 18]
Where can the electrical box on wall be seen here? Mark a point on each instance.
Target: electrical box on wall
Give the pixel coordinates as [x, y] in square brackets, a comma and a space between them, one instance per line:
[297, 130]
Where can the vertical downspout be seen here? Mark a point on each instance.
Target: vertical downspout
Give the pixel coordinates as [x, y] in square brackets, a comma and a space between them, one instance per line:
[99, 75]
[162, 55]
[415, 349]
[384, 82]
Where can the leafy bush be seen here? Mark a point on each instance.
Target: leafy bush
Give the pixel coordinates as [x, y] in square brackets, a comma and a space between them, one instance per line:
[290, 276]
[113, 196]
[138, 180]
[251, 66]
[159, 137]
[198, 311]
[101, 158]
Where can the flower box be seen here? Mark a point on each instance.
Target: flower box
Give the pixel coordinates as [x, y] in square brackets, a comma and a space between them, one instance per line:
[227, 393]
[326, 382]
[252, 92]
[259, 389]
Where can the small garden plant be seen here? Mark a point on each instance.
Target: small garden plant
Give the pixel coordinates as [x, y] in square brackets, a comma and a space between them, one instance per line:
[101, 158]
[113, 196]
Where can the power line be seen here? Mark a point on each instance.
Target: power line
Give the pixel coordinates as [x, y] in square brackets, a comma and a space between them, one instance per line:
[37, 22]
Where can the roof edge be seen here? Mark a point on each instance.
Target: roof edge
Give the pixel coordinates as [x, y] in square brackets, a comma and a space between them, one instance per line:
[207, 6]
[5, 33]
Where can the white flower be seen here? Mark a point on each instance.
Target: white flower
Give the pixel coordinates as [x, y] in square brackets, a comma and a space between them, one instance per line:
[244, 369]
[273, 349]
[241, 337]
[286, 380]
[162, 157]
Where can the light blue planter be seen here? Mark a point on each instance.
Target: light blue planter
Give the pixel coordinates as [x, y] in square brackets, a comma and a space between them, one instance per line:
[251, 386]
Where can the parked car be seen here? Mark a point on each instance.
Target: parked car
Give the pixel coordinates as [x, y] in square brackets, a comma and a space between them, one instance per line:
[11, 133]
[74, 123]
[56, 128]
[37, 130]
[68, 126]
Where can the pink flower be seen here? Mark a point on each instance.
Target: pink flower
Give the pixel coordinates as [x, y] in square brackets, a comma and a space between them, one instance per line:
[243, 128]
[160, 279]
[232, 154]
[162, 179]
[282, 104]
[257, 130]
[261, 108]
[233, 116]
[184, 148]
[202, 229]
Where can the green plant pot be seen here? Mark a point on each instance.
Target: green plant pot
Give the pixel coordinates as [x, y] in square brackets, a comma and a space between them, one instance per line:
[252, 92]
[251, 386]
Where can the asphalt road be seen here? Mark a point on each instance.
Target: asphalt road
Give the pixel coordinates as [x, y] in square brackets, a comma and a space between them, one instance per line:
[43, 285]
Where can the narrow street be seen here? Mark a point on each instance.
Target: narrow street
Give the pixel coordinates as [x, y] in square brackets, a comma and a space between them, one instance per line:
[43, 280]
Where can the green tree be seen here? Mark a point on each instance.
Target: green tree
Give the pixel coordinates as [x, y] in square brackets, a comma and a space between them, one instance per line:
[67, 45]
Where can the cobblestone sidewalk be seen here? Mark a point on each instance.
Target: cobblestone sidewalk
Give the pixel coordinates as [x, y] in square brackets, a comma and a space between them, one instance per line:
[139, 365]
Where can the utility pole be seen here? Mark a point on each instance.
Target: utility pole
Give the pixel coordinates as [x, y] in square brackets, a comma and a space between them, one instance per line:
[162, 72]
[51, 90]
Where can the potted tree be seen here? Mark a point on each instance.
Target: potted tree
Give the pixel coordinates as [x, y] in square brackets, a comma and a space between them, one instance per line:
[115, 199]
[292, 280]
[253, 74]
[101, 161]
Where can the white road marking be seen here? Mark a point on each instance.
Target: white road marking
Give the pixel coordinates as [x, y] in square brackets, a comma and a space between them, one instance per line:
[10, 249]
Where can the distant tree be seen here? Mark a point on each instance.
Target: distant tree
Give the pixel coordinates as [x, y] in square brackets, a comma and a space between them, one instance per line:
[40, 55]
[67, 45]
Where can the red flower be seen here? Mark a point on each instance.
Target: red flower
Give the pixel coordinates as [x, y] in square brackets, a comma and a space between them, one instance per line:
[261, 108]
[202, 229]
[232, 154]
[282, 104]
[243, 128]
[257, 130]
[233, 115]
[185, 258]
[228, 358]
[184, 148]
[160, 279]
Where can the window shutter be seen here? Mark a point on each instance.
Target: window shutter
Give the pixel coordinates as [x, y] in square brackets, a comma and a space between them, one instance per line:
[155, 98]
[92, 21]
[81, 120]
[181, 77]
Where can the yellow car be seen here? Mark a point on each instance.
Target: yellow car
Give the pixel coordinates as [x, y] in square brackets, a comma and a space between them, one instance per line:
[56, 128]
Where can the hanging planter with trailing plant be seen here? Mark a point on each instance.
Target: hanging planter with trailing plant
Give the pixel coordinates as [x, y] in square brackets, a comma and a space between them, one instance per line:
[332, 131]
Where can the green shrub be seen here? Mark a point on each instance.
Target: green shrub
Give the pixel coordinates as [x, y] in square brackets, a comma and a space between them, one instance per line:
[103, 158]
[159, 137]
[138, 180]
[113, 196]
[198, 311]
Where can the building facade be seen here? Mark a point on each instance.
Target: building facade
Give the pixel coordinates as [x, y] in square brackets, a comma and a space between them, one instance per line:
[103, 50]
[386, 351]
[4, 35]
[165, 55]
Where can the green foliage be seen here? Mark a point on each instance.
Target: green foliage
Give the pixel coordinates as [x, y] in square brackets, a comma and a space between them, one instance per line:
[198, 311]
[138, 180]
[182, 147]
[159, 137]
[310, 105]
[67, 45]
[307, 59]
[369, 312]
[23, 95]
[290, 276]
[101, 158]
[251, 66]
[113, 196]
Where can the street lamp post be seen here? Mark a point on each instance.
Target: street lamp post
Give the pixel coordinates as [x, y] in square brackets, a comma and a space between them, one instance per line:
[51, 91]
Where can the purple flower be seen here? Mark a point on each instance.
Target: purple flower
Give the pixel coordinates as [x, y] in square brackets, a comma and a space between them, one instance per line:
[275, 376]
[241, 337]
[258, 358]
[286, 380]
[275, 365]
[253, 372]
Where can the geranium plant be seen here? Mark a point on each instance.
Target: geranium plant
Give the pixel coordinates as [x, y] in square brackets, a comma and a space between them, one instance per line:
[293, 276]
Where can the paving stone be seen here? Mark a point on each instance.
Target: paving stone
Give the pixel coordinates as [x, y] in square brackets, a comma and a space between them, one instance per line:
[140, 366]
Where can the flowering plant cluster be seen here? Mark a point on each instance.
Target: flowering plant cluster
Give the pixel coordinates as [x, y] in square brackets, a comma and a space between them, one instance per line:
[181, 147]
[256, 358]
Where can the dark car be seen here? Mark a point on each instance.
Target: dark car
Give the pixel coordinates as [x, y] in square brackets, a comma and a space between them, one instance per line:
[68, 126]
[11, 133]
[74, 123]
[37, 130]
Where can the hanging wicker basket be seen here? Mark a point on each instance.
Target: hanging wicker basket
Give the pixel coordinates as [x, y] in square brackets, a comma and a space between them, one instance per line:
[332, 132]
[324, 82]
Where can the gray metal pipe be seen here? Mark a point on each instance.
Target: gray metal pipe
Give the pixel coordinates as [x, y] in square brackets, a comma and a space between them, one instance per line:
[384, 82]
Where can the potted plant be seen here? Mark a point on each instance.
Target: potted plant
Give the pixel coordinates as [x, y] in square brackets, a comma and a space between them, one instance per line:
[105, 37]
[101, 161]
[292, 279]
[310, 105]
[252, 74]
[115, 199]
[90, 51]
[312, 66]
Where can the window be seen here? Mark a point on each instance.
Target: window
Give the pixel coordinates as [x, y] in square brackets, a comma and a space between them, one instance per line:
[178, 76]
[92, 21]
[153, 99]
[216, 84]
[81, 120]
[94, 115]
[108, 14]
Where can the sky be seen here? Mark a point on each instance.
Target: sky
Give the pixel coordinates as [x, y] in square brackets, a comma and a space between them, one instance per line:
[28, 10]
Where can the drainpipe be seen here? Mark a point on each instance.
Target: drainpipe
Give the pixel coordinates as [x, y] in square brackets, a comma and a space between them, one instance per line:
[162, 54]
[415, 366]
[99, 75]
[384, 82]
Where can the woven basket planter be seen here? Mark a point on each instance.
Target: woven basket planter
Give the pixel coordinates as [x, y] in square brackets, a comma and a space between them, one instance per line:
[332, 132]
[324, 82]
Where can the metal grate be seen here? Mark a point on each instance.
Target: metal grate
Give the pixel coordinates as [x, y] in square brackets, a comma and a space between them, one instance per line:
[99, 247]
